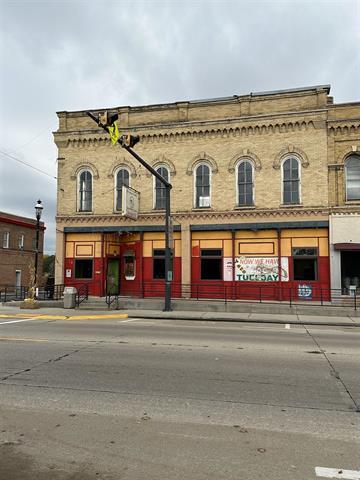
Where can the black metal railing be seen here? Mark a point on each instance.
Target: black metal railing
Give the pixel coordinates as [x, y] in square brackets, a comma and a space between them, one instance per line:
[82, 294]
[302, 294]
[17, 293]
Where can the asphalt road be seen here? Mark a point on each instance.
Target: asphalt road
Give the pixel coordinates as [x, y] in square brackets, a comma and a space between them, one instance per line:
[149, 399]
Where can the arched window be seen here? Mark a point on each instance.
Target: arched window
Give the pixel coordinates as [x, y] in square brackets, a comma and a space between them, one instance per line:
[122, 178]
[291, 181]
[202, 186]
[245, 185]
[85, 191]
[352, 175]
[160, 189]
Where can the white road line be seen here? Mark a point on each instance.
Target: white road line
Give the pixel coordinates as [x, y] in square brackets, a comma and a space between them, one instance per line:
[129, 320]
[337, 473]
[18, 321]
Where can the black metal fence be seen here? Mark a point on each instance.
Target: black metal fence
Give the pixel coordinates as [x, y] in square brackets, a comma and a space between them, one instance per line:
[11, 292]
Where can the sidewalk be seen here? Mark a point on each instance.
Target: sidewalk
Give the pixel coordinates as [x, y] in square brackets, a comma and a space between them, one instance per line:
[247, 317]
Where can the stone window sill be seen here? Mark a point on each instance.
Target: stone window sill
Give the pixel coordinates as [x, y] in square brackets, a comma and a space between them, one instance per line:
[291, 205]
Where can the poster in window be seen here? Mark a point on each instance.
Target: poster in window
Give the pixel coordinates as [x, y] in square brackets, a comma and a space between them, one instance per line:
[261, 269]
[228, 269]
[130, 268]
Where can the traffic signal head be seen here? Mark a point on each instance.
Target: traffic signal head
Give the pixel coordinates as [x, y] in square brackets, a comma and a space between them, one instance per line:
[131, 140]
[106, 119]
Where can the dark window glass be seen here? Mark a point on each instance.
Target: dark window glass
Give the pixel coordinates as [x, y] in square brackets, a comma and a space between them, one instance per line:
[122, 178]
[84, 268]
[160, 189]
[159, 263]
[202, 184]
[352, 166]
[305, 263]
[291, 181]
[211, 264]
[245, 184]
[85, 191]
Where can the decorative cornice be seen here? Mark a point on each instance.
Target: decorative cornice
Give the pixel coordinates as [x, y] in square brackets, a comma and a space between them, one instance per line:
[244, 154]
[291, 150]
[343, 127]
[202, 157]
[193, 216]
[237, 127]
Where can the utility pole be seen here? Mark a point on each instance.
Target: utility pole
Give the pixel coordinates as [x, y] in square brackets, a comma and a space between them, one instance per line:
[107, 122]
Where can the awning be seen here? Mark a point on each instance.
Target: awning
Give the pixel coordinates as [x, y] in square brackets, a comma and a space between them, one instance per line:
[347, 246]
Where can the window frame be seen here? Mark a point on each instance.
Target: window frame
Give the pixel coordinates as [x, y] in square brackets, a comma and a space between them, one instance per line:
[6, 243]
[158, 257]
[116, 186]
[196, 166]
[314, 257]
[348, 158]
[21, 240]
[80, 172]
[212, 257]
[245, 160]
[92, 268]
[162, 187]
[289, 157]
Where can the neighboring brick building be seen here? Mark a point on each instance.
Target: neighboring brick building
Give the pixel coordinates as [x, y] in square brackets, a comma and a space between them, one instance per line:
[17, 249]
[250, 196]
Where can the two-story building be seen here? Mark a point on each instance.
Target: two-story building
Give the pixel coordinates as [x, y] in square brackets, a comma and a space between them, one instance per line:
[251, 177]
[17, 250]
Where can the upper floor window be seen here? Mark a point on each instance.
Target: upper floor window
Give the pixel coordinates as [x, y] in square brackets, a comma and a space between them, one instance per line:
[122, 179]
[291, 181]
[160, 189]
[352, 175]
[21, 242]
[85, 191]
[6, 240]
[245, 185]
[202, 186]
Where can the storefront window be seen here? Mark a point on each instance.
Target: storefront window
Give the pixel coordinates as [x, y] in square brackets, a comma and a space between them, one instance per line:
[129, 270]
[211, 264]
[305, 263]
[159, 263]
[84, 268]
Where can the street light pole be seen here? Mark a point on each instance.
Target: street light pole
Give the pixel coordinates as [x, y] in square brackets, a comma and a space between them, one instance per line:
[122, 141]
[38, 211]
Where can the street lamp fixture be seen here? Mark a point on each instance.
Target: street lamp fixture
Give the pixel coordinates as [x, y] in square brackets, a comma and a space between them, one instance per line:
[38, 211]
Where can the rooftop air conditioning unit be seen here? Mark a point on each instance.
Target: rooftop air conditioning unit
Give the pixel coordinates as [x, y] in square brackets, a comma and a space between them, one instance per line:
[204, 201]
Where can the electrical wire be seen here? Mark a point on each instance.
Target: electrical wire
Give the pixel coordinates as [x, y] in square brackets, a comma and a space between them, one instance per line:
[27, 164]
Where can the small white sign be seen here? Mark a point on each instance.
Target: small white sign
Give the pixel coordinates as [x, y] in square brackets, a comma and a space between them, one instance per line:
[68, 273]
[130, 202]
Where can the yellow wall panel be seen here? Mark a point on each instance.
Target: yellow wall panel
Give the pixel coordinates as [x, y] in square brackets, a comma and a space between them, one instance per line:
[227, 252]
[211, 235]
[211, 244]
[147, 248]
[69, 250]
[82, 250]
[304, 242]
[305, 232]
[256, 248]
[83, 237]
[286, 247]
[154, 235]
[323, 247]
[260, 234]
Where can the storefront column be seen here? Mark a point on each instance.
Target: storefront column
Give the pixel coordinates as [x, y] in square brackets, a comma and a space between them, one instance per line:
[185, 260]
[59, 255]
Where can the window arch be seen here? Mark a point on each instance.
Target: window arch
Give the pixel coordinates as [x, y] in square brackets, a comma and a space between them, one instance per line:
[202, 186]
[122, 178]
[160, 189]
[85, 191]
[352, 177]
[245, 183]
[291, 181]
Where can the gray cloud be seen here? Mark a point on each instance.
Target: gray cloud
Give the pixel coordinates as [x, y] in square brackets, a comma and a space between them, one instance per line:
[73, 55]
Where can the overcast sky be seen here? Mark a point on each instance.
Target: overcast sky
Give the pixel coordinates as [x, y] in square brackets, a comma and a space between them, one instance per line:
[73, 55]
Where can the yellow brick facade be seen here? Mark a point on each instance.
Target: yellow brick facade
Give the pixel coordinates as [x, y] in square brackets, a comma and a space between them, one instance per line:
[263, 127]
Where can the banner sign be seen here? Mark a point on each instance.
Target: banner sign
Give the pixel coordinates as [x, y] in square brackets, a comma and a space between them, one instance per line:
[130, 202]
[256, 269]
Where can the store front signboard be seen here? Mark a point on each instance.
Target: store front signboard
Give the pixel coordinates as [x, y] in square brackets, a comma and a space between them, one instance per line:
[256, 269]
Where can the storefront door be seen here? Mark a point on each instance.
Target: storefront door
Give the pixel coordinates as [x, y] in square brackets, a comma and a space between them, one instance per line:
[113, 276]
[350, 269]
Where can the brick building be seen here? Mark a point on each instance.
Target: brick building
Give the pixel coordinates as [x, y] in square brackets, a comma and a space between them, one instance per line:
[17, 249]
[254, 187]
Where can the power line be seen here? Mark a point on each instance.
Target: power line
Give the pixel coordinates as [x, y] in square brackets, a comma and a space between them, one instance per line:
[27, 164]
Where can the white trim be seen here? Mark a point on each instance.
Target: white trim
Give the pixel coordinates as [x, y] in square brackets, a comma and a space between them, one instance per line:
[243, 160]
[349, 157]
[16, 272]
[196, 166]
[160, 165]
[298, 159]
[121, 167]
[21, 238]
[85, 169]
[6, 240]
